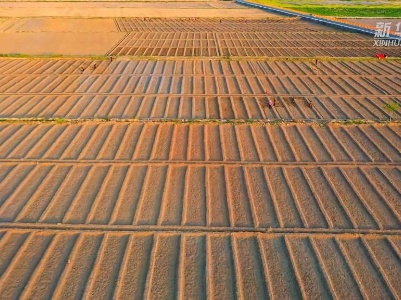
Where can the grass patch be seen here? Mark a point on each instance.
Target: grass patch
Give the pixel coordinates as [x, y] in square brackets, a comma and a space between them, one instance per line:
[346, 11]
[17, 55]
[355, 122]
[392, 108]
[350, 8]
[60, 120]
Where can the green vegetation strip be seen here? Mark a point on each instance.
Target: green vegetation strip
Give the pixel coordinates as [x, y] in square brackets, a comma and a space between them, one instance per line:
[353, 9]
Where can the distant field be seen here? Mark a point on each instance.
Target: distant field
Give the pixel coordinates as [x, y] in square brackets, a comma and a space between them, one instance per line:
[344, 8]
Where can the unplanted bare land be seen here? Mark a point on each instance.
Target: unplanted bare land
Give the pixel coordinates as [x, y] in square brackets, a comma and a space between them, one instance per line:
[199, 206]
[157, 265]
[198, 89]
[107, 9]
[52, 43]
[184, 37]
[163, 210]
[273, 37]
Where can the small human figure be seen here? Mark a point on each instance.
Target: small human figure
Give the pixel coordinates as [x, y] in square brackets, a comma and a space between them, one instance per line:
[94, 66]
[274, 101]
[82, 69]
[293, 100]
[310, 103]
[220, 20]
[111, 58]
[270, 104]
[316, 62]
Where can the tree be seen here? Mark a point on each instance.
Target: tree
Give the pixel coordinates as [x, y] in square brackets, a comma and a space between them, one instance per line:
[391, 107]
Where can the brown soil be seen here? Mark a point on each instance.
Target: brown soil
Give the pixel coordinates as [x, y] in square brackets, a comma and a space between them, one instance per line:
[274, 37]
[56, 43]
[161, 210]
[171, 9]
[198, 89]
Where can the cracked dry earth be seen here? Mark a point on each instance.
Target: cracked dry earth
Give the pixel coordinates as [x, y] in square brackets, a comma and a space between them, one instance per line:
[158, 208]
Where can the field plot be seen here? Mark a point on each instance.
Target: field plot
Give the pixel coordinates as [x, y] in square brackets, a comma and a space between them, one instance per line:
[198, 89]
[208, 176]
[57, 36]
[201, 25]
[54, 43]
[76, 264]
[59, 25]
[138, 9]
[160, 142]
[273, 37]
[110, 210]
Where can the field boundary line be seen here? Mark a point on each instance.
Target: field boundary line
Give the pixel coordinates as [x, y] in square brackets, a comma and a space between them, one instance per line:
[190, 229]
[174, 58]
[291, 164]
[273, 122]
[117, 25]
[259, 95]
[108, 53]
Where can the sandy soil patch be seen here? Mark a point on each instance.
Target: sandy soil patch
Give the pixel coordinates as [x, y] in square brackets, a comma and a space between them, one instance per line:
[100, 10]
[57, 25]
[134, 12]
[67, 25]
[68, 43]
[170, 5]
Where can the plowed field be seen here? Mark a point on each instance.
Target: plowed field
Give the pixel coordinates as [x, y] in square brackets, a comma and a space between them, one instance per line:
[170, 178]
[198, 89]
[113, 209]
[75, 264]
[273, 37]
